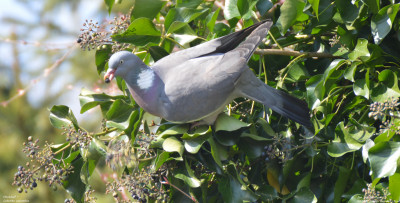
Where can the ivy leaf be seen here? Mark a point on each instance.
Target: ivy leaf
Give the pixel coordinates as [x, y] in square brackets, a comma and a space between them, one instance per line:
[290, 11]
[315, 6]
[228, 123]
[211, 19]
[73, 184]
[394, 186]
[139, 33]
[304, 195]
[89, 100]
[360, 88]
[157, 52]
[172, 144]
[361, 51]
[193, 142]
[146, 8]
[118, 114]
[62, 116]
[101, 57]
[188, 177]
[231, 9]
[232, 191]
[383, 158]
[263, 6]
[382, 22]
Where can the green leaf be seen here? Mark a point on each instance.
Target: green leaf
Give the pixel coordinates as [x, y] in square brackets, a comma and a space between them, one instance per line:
[211, 19]
[146, 8]
[231, 9]
[175, 130]
[373, 5]
[349, 139]
[172, 144]
[290, 11]
[218, 151]
[101, 57]
[387, 88]
[193, 142]
[243, 6]
[394, 186]
[161, 159]
[87, 170]
[73, 184]
[304, 195]
[228, 123]
[118, 114]
[157, 52]
[263, 6]
[184, 15]
[109, 4]
[383, 158]
[361, 51]
[96, 150]
[139, 33]
[369, 143]
[231, 190]
[315, 6]
[61, 116]
[382, 22]
[89, 100]
[350, 72]
[188, 177]
[347, 10]
[341, 183]
[360, 88]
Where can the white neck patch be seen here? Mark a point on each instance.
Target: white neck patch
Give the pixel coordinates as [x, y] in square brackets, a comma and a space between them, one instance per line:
[145, 79]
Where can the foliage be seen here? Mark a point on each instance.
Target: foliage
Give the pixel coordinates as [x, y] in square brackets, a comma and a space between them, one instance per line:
[253, 154]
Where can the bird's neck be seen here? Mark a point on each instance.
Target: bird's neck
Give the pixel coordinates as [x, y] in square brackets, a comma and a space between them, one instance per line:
[144, 86]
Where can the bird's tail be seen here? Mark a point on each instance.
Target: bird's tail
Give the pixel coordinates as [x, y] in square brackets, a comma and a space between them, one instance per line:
[291, 107]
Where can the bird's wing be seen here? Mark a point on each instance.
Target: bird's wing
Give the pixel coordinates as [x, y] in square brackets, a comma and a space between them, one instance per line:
[220, 45]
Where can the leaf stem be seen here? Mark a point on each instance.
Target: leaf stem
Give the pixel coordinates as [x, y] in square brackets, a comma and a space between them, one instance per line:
[190, 197]
[105, 132]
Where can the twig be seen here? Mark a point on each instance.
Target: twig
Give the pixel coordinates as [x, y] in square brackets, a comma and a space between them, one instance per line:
[294, 53]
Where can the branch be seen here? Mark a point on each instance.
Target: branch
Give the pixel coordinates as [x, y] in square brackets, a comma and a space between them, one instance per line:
[294, 53]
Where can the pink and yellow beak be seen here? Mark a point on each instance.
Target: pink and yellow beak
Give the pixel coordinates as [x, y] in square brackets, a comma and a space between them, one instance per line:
[109, 75]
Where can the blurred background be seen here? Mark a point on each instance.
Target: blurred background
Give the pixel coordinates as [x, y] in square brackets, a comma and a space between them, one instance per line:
[41, 65]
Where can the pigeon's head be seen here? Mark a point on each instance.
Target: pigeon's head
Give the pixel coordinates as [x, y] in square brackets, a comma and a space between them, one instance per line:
[120, 63]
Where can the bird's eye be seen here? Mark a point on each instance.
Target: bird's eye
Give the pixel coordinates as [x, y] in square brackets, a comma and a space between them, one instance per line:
[121, 61]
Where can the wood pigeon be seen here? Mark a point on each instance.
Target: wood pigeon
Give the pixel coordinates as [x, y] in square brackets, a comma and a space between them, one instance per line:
[197, 83]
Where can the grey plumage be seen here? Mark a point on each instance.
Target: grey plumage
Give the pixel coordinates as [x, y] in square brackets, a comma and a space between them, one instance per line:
[197, 83]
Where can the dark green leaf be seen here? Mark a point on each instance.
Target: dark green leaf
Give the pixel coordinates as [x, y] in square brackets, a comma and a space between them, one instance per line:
[341, 183]
[101, 58]
[146, 8]
[381, 23]
[184, 15]
[73, 184]
[139, 33]
[118, 114]
[347, 10]
[87, 170]
[228, 123]
[61, 116]
[360, 88]
[211, 19]
[193, 142]
[383, 158]
[315, 6]
[231, 191]
[263, 6]
[188, 177]
[290, 11]
[157, 52]
[89, 100]
[304, 195]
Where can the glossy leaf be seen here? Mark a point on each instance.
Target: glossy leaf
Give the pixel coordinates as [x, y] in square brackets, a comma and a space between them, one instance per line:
[61, 116]
[290, 11]
[157, 52]
[146, 8]
[382, 22]
[228, 123]
[73, 184]
[383, 158]
[139, 33]
[172, 144]
[110, 4]
[101, 58]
